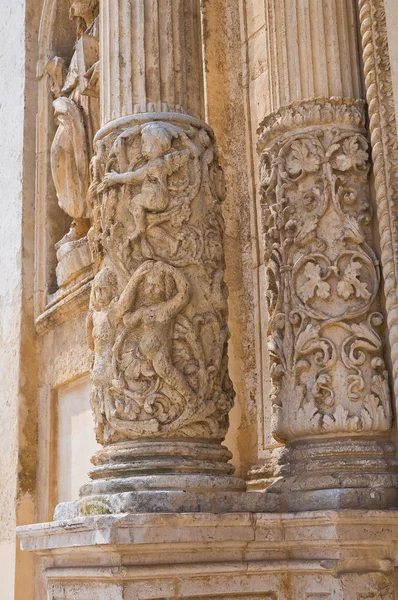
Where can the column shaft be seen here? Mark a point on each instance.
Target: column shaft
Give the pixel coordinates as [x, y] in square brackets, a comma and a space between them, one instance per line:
[158, 318]
[312, 50]
[151, 58]
[331, 399]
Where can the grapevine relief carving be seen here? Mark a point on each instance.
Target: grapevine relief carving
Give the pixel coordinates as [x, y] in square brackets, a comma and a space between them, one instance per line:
[323, 277]
[158, 309]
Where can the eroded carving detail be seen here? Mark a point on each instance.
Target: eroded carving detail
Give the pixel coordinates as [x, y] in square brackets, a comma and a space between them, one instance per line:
[157, 322]
[326, 352]
[76, 110]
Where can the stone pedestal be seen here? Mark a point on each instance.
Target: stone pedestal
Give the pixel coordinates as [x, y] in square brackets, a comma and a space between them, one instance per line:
[332, 555]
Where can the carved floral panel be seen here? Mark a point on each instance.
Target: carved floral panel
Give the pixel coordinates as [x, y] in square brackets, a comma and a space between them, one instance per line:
[157, 322]
[323, 280]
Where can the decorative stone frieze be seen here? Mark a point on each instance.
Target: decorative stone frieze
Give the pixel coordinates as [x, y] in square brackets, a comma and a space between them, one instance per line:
[158, 315]
[327, 365]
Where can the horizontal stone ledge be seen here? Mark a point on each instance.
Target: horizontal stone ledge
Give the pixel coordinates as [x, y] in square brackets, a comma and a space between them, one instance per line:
[244, 530]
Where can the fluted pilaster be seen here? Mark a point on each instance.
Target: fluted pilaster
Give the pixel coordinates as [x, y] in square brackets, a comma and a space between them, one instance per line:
[312, 50]
[154, 61]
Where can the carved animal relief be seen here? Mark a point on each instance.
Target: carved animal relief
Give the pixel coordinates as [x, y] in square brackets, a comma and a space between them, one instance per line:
[157, 322]
[325, 343]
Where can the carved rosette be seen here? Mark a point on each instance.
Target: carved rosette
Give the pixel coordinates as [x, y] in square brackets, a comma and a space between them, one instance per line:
[323, 277]
[158, 317]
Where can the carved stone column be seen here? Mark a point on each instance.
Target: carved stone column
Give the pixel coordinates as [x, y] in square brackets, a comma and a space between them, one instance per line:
[158, 317]
[330, 396]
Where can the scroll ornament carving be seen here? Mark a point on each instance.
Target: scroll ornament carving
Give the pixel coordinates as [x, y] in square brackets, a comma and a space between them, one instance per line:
[76, 110]
[323, 280]
[157, 323]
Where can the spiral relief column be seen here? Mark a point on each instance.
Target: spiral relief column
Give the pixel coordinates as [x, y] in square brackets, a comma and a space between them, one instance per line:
[330, 393]
[157, 324]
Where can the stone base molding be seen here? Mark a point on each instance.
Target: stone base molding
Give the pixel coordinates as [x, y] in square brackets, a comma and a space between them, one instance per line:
[333, 474]
[332, 555]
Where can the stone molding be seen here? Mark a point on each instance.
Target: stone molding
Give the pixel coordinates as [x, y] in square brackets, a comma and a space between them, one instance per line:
[384, 141]
[291, 533]
[311, 112]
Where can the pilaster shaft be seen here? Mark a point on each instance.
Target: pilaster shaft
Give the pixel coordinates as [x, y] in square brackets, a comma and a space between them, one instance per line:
[312, 50]
[151, 58]
[330, 393]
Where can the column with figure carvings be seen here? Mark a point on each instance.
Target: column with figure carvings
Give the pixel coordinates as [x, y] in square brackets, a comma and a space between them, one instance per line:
[330, 396]
[157, 323]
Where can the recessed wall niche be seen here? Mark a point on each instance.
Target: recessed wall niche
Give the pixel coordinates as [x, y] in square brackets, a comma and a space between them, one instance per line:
[54, 302]
[73, 439]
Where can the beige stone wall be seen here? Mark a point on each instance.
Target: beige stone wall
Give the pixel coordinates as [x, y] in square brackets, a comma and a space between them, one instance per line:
[17, 366]
[228, 109]
[255, 89]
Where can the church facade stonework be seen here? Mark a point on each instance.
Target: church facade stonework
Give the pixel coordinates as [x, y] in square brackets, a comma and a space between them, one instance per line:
[199, 322]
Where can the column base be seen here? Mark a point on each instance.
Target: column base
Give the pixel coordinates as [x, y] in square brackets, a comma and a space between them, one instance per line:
[168, 501]
[164, 476]
[333, 474]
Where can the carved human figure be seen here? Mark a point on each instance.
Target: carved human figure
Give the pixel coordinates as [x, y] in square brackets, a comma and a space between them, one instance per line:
[164, 292]
[101, 330]
[162, 162]
[76, 109]
[159, 184]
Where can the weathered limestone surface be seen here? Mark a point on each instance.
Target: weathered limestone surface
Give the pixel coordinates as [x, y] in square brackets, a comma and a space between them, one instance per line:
[17, 451]
[157, 321]
[329, 555]
[325, 337]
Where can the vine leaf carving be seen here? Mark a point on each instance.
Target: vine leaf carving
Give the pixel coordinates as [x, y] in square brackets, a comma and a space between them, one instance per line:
[350, 283]
[327, 367]
[314, 284]
[302, 159]
[350, 156]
